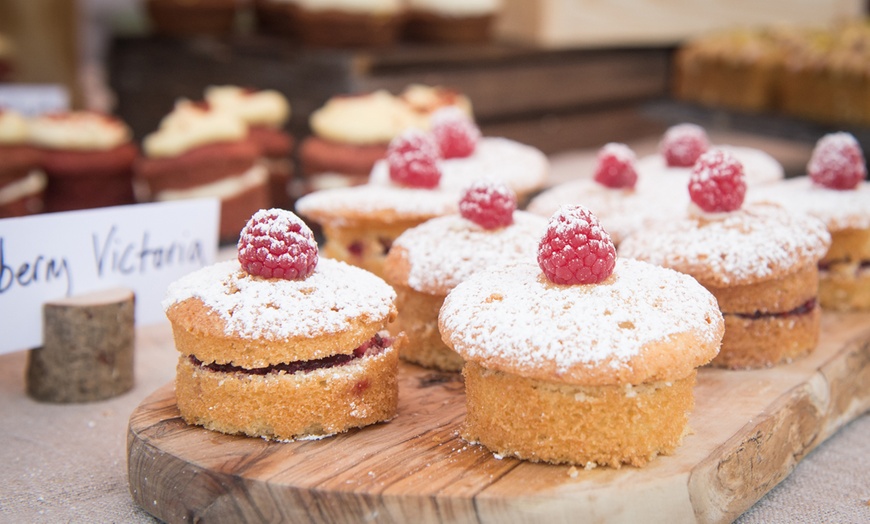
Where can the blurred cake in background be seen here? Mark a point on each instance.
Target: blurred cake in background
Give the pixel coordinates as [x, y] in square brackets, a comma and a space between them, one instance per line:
[351, 132]
[192, 17]
[345, 23]
[199, 152]
[88, 158]
[451, 21]
[6, 66]
[22, 182]
[266, 112]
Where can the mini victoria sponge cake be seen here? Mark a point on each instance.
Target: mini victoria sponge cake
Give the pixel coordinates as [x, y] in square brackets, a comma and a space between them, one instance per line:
[844, 271]
[429, 260]
[284, 359]
[760, 262]
[360, 223]
[588, 374]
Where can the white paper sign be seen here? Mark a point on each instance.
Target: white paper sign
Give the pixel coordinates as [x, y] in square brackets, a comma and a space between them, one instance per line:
[142, 247]
[34, 99]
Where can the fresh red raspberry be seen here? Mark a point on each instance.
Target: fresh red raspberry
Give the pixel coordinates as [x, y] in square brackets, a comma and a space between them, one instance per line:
[455, 132]
[682, 144]
[616, 166]
[275, 243]
[717, 183]
[576, 249]
[488, 204]
[837, 162]
[413, 159]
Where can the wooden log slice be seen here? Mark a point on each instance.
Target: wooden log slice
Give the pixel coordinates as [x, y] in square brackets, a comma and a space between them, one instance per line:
[87, 351]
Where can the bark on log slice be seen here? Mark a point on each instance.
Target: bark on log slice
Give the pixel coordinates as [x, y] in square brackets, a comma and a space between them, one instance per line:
[87, 351]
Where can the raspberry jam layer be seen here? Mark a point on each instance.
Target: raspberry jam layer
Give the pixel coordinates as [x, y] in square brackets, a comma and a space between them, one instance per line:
[376, 345]
[804, 309]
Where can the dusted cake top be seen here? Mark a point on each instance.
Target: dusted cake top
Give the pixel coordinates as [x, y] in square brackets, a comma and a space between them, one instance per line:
[759, 167]
[382, 203]
[331, 300]
[13, 128]
[753, 244]
[621, 211]
[521, 167]
[838, 209]
[191, 125]
[642, 323]
[256, 107]
[442, 252]
[78, 130]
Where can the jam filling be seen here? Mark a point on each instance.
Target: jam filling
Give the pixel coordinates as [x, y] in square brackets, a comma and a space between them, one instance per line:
[373, 347]
[824, 266]
[803, 309]
[357, 248]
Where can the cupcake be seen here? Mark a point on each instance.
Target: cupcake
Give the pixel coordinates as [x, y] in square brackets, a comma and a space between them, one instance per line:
[88, 158]
[682, 144]
[346, 23]
[427, 261]
[351, 132]
[465, 156]
[360, 223]
[453, 21]
[192, 17]
[198, 152]
[580, 358]
[266, 113]
[22, 182]
[837, 193]
[280, 344]
[758, 260]
[615, 195]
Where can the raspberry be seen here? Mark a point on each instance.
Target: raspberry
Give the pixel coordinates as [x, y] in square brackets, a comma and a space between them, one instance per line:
[488, 204]
[717, 183]
[616, 166]
[413, 159]
[837, 162]
[275, 243]
[576, 249]
[455, 132]
[682, 144]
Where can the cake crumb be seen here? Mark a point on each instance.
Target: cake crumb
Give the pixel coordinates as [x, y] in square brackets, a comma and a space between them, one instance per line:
[590, 466]
[573, 472]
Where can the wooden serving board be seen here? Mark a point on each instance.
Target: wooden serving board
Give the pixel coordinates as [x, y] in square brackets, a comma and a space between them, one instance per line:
[749, 430]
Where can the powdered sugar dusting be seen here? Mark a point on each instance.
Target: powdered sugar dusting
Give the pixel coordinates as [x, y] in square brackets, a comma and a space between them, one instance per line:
[750, 245]
[521, 167]
[759, 167]
[368, 201]
[838, 209]
[620, 211]
[274, 309]
[444, 251]
[513, 312]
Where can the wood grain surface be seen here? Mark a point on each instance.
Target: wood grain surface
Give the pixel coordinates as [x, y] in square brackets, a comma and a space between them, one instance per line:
[749, 430]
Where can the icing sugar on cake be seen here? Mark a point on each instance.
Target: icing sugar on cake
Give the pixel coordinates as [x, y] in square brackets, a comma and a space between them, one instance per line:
[384, 200]
[621, 211]
[444, 251]
[746, 246]
[272, 309]
[523, 168]
[513, 319]
[839, 209]
[760, 168]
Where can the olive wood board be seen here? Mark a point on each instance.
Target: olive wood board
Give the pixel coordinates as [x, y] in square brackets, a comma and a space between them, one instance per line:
[748, 431]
